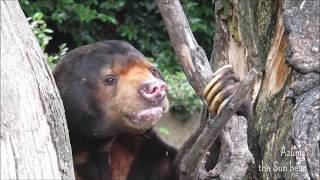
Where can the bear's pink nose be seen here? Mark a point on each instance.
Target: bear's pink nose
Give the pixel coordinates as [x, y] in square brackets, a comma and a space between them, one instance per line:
[154, 90]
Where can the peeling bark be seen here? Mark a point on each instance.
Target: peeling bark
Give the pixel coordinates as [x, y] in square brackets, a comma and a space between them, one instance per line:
[34, 137]
[276, 69]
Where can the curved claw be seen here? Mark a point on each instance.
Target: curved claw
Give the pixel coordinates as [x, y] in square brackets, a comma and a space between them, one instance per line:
[228, 66]
[217, 87]
[222, 105]
[220, 88]
[216, 77]
[220, 97]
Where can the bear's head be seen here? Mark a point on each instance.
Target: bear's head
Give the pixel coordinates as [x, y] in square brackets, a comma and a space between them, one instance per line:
[109, 86]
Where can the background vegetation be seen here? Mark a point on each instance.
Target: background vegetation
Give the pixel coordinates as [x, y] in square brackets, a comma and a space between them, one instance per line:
[65, 24]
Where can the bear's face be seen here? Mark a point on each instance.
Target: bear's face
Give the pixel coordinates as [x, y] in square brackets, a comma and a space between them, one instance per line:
[109, 86]
[131, 94]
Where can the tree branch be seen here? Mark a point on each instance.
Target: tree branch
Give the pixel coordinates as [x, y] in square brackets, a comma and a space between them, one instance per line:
[198, 71]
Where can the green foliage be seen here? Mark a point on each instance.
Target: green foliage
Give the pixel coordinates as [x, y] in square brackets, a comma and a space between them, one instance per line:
[79, 22]
[164, 131]
[41, 31]
[200, 17]
[181, 95]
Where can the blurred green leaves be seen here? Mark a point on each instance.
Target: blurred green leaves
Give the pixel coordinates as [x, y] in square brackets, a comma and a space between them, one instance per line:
[42, 33]
[164, 131]
[181, 95]
[40, 29]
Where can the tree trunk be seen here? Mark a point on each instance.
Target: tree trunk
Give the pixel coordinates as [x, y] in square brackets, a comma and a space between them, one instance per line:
[281, 40]
[34, 136]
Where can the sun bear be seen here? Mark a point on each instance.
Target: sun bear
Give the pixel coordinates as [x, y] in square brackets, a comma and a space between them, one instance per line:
[113, 97]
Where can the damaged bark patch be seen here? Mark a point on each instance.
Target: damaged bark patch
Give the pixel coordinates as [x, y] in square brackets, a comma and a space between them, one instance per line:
[277, 70]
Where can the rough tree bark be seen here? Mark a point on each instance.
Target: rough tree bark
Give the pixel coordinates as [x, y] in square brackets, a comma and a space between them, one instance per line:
[34, 137]
[281, 40]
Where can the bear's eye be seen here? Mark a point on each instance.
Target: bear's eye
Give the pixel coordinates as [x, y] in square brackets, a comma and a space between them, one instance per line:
[111, 79]
[154, 72]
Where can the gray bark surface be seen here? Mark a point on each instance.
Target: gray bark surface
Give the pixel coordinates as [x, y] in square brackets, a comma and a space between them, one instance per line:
[302, 21]
[34, 137]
